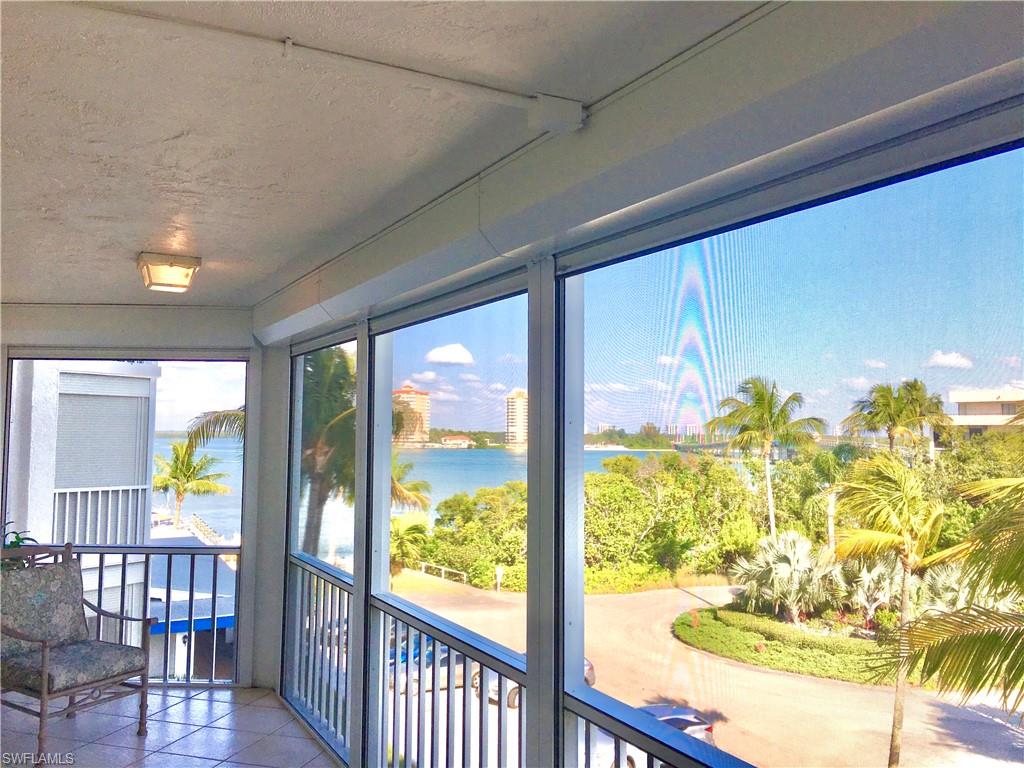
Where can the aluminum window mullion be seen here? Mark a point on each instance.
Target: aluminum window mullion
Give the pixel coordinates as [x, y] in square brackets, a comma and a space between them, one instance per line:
[367, 649]
[542, 704]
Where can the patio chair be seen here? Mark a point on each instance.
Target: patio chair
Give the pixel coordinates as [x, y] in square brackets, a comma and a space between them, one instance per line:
[45, 649]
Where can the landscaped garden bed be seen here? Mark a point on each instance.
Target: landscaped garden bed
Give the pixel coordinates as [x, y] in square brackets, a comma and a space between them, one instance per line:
[767, 642]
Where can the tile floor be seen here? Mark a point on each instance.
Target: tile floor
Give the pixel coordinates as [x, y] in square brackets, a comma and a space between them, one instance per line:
[187, 728]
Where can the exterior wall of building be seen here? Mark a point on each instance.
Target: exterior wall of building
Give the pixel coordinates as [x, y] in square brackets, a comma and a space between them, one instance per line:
[516, 412]
[74, 474]
[416, 428]
[979, 411]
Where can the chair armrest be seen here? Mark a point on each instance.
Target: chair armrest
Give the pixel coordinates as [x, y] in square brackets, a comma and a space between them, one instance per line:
[15, 634]
[119, 616]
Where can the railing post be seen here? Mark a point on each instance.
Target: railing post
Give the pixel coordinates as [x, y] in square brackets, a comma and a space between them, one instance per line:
[543, 710]
[372, 509]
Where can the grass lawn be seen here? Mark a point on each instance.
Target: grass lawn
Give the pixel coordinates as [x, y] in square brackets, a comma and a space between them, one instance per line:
[766, 642]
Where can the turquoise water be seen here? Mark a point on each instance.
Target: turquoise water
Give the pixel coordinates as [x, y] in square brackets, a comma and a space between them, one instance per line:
[223, 513]
[449, 471]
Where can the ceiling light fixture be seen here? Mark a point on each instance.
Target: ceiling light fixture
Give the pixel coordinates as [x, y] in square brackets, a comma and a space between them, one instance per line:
[165, 272]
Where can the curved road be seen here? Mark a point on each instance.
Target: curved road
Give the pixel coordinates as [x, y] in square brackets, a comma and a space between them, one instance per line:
[768, 718]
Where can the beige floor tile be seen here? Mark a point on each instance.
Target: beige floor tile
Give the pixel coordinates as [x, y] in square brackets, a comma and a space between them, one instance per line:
[13, 720]
[239, 696]
[167, 760]
[323, 760]
[195, 711]
[159, 734]
[278, 752]
[88, 726]
[106, 756]
[129, 705]
[271, 700]
[212, 743]
[15, 742]
[255, 719]
[293, 728]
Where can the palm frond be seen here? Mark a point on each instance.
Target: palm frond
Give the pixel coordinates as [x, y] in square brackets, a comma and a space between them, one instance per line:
[970, 651]
[213, 424]
[864, 542]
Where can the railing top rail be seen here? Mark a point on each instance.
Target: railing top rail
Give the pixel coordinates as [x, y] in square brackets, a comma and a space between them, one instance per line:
[661, 741]
[146, 549]
[329, 572]
[82, 489]
[503, 661]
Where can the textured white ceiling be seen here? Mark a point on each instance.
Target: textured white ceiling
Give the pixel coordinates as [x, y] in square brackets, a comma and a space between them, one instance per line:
[123, 134]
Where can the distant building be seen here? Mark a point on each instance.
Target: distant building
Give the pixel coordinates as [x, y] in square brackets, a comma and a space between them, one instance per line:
[981, 410]
[415, 404]
[602, 428]
[671, 430]
[457, 441]
[516, 411]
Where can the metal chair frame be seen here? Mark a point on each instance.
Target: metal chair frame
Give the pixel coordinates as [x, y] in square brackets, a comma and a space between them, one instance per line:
[97, 691]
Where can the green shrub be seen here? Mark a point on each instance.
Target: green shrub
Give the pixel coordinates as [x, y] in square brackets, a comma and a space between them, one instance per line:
[886, 622]
[793, 635]
[768, 643]
[626, 577]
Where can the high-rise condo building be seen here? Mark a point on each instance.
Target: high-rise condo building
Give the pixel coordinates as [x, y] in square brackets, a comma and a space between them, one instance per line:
[415, 406]
[516, 411]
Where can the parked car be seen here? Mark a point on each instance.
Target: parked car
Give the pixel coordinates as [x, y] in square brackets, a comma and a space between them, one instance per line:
[408, 667]
[684, 719]
[589, 677]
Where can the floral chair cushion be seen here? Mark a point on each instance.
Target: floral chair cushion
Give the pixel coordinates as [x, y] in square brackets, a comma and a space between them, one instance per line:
[73, 664]
[43, 601]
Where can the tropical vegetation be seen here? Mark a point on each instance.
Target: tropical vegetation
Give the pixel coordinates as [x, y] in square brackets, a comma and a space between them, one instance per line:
[184, 474]
[758, 418]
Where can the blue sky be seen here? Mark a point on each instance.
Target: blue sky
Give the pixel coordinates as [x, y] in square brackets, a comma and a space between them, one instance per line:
[924, 278]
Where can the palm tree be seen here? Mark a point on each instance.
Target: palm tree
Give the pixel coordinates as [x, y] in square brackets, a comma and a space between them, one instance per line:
[902, 412]
[408, 535]
[210, 425]
[872, 583]
[787, 575]
[884, 409]
[899, 517]
[758, 418]
[184, 474]
[407, 494]
[829, 469]
[980, 646]
[327, 445]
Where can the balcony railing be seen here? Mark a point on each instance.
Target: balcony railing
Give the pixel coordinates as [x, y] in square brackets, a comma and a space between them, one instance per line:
[190, 591]
[101, 515]
[316, 676]
[451, 697]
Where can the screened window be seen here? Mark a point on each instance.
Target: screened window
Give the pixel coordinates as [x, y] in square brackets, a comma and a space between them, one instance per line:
[458, 464]
[324, 455]
[719, 394]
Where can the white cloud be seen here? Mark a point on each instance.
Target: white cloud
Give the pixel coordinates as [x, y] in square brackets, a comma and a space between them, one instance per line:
[1011, 361]
[858, 383]
[823, 392]
[443, 396]
[408, 383]
[425, 377]
[469, 377]
[497, 387]
[508, 357]
[187, 388]
[870, 363]
[450, 354]
[446, 387]
[940, 359]
[666, 360]
[828, 357]
[658, 386]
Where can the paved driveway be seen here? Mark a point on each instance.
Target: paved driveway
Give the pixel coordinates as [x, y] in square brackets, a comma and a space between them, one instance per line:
[768, 718]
